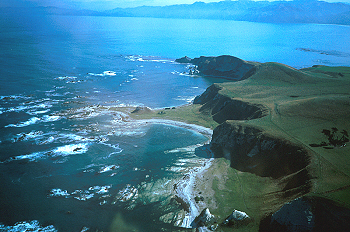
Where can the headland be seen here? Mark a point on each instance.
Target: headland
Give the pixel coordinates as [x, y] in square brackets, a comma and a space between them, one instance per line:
[280, 142]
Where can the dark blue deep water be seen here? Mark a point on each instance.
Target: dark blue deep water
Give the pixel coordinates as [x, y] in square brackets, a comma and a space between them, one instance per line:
[69, 160]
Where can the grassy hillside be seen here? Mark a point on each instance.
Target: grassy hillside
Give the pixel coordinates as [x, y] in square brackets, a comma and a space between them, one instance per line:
[301, 104]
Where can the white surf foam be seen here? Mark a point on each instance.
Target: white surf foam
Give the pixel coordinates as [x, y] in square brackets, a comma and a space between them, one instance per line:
[50, 118]
[34, 120]
[14, 97]
[83, 195]
[105, 73]
[38, 112]
[30, 121]
[66, 78]
[188, 99]
[31, 157]
[108, 168]
[28, 136]
[59, 193]
[28, 226]
[41, 138]
[71, 149]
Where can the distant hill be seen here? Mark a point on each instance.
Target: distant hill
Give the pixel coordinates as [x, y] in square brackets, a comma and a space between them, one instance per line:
[26, 11]
[298, 11]
[244, 10]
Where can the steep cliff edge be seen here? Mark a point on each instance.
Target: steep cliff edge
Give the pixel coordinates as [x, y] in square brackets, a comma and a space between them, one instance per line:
[268, 123]
[223, 108]
[251, 150]
[269, 130]
[228, 67]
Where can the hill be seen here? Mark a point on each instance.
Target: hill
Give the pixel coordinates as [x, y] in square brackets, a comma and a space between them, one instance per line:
[280, 134]
[243, 10]
[254, 11]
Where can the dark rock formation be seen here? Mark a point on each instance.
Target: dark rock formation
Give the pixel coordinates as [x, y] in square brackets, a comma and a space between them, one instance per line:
[308, 214]
[141, 109]
[224, 66]
[237, 219]
[205, 218]
[183, 60]
[251, 150]
[228, 67]
[223, 108]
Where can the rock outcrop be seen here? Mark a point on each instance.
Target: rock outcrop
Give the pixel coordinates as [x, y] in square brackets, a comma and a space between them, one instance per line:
[223, 108]
[308, 214]
[237, 219]
[205, 219]
[184, 60]
[251, 150]
[228, 67]
[141, 109]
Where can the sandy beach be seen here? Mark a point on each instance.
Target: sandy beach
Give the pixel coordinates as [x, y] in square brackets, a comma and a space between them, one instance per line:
[185, 188]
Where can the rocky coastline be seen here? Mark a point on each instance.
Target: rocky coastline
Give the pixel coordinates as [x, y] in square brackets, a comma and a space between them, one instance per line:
[228, 67]
[260, 119]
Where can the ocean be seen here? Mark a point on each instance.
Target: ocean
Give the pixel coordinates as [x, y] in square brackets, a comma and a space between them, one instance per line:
[69, 160]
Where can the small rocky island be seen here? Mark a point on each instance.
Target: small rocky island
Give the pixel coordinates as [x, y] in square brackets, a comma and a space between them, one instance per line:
[228, 67]
[268, 174]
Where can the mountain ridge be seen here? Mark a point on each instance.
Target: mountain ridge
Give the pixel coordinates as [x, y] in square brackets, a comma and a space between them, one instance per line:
[244, 10]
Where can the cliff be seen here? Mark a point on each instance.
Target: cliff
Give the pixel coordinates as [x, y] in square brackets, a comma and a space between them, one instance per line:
[270, 121]
[223, 108]
[251, 150]
[308, 214]
[228, 67]
[270, 142]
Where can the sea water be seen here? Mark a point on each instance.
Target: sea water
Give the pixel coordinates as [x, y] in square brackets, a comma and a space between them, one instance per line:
[69, 159]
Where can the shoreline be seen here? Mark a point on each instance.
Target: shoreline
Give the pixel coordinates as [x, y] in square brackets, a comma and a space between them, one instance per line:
[186, 193]
[185, 187]
[207, 132]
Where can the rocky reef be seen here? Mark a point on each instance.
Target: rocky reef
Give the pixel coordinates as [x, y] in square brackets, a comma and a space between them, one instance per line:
[228, 67]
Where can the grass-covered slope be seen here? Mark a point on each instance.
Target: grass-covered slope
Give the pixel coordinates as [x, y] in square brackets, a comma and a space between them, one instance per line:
[292, 107]
[301, 104]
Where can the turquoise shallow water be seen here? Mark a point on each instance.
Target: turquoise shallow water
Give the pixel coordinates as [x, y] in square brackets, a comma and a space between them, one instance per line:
[69, 160]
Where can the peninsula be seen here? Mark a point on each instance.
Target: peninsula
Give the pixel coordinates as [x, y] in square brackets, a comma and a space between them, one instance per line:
[280, 143]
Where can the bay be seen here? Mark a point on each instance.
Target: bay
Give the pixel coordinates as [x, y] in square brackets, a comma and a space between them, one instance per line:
[67, 155]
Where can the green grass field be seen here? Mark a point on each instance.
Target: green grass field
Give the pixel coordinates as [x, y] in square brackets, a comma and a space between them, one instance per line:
[301, 103]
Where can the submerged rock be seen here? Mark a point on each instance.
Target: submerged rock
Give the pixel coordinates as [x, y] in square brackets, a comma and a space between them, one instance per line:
[129, 193]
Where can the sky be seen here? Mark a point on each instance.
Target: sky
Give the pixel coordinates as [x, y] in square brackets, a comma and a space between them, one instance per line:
[106, 4]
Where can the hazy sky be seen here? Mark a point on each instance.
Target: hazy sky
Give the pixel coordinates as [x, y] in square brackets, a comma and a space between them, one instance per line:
[107, 4]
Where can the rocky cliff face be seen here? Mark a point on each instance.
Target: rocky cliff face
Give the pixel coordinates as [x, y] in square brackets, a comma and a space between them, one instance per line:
[228, 67]
[308, 214]
[223, 108]
[251, 150]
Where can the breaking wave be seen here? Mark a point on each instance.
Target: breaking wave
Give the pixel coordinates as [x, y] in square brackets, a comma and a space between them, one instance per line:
[27, 226]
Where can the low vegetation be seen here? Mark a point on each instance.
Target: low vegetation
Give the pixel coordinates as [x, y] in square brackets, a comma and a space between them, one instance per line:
[304, 107]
